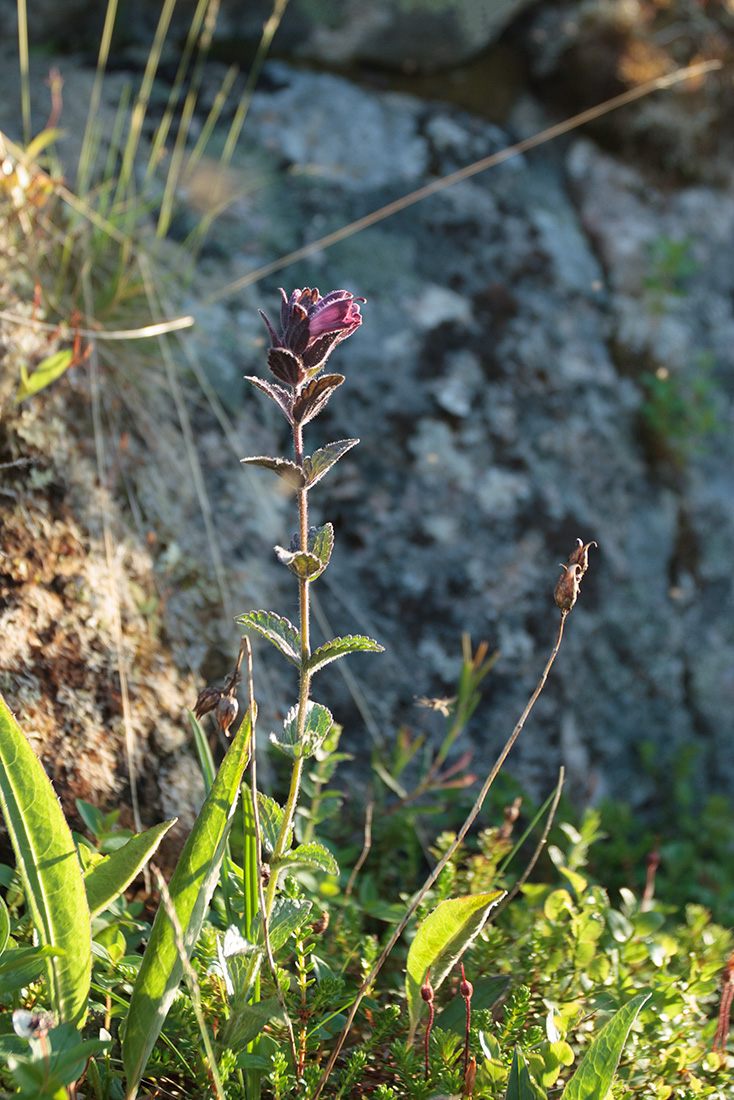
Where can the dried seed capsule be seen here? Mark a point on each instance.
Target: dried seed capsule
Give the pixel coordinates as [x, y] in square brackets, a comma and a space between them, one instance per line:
[567, 588]
[208, 699]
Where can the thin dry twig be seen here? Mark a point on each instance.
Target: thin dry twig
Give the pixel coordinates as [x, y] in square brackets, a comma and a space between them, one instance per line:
[442, 863]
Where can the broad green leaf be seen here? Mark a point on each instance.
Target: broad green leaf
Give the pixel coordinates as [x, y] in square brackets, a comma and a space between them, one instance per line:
[439, 943]
[4, 925]
[303, 565]
[277, 630]
[340, 647]
[486, 992]
[322, 460]
[283, 467]
[271, 820]
[287, 916]
[317, 724]
[107, 879]
[246, 1022]
[49, 868]
[520, 1085]
[191, 888]
[313, 855]
[47, 371]
[22, 965]
[593, 1079]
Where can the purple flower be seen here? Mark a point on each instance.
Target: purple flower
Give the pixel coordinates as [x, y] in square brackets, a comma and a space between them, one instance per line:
[311, 326]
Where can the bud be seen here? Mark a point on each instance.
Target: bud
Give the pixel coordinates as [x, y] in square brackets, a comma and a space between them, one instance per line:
[427, 991]
[207, 700]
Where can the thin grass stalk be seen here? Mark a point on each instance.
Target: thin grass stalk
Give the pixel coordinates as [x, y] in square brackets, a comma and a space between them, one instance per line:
[142, 101]
[367, 983]
[554, 799]
[211, 120]
[163, 129]
[89, 141]
[130, 745]
[269, 29]
[173, 177]
[25, 76]
[432, 188]
[193, 984]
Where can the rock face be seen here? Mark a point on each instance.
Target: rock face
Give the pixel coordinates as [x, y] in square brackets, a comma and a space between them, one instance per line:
[547, 353]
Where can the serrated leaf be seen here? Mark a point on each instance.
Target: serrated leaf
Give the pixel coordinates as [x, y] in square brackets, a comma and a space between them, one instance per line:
[47, 371]
[277, 630]
[340, 647]
[111, 875]
[440, 942]
[322, 460]
[49, 868]
[303, 565]
[287, 916]
[312, 854]
[286, 366]
[314, 396]
[283, 467]
[593, 1078]
[317, 724]
[520, 1085]
[321, 543]
[271, 820]
[282, 398]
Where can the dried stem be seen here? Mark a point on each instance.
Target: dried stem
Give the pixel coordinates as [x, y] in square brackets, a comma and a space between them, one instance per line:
[442, 863]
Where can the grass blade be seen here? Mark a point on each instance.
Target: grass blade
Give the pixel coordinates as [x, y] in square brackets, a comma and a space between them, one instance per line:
[593, 1079]
[49, 868]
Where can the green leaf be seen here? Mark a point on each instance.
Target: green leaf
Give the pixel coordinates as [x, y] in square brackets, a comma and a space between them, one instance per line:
[191, 888]
[313, 855]
[106, 880]
[4, 926]
[340, 647]
[283, 467]
[486, 992]
[277, 630]
[310, 563]
[203, 752]
[322, 460]
[22, 965]
[593, 1079]
[245, 1023]
[287, 916]
[47, 371]
[49, 869]
[303, 565]
[440, 942]
[271, 820]
[520, 1085]
[318, 723]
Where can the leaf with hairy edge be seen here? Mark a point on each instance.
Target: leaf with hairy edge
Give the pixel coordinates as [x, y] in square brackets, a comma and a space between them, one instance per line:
[191, 888]
[316, 465]
[593, 1078]
[282, 398]
[286, 366]
[271, 820]
[303, 565]
[283, 467]
[520, 1085]
[439, 943]
[318, 723]
[106, 880]
[49, 869]
[313, 397]
[340, 647]
[281, 632]
[321, 543]
[312, 854]
[287, 916]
